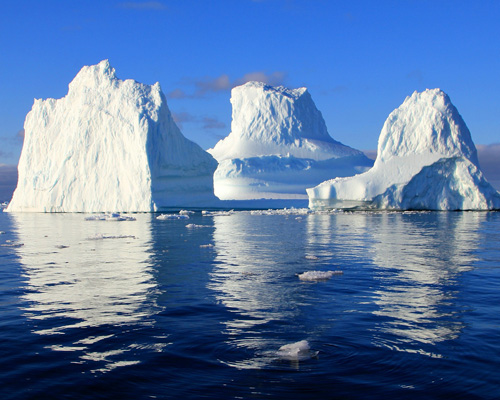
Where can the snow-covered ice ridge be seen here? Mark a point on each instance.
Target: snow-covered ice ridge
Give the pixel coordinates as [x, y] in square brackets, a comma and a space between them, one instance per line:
[426, 160]
[109, 145]
[278, 146]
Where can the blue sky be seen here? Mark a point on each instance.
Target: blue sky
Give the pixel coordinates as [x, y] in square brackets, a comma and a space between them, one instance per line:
[359, 59]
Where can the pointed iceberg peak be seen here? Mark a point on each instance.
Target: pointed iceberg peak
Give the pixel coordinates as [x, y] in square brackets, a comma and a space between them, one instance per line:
[426, 123]
[94, 76]
[426, 161]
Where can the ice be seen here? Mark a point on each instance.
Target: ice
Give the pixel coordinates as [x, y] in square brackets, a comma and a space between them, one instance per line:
[217, 213]
[296, 351]
[100, 236]
[172, 216]
[278, 146]
[314, 276]
[110, 217]
[426, 160]
[109, 145]
[186, 212]
[194, 226]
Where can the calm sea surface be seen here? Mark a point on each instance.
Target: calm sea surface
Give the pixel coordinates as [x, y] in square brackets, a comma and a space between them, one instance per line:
[200, 307]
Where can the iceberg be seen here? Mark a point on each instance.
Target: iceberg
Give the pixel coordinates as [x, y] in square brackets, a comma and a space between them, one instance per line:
[278, 146]
[426, 160]
[109, 145]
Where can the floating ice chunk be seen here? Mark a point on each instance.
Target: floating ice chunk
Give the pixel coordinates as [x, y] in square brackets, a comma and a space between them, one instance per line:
[2, 233]
[296, 351]
[311, 257]
[206, 245]
[10, 243]
[100, 236]
[216, 213]
[194, 226]
[186, 212]
[109, 217]
[312, 276]
[172, 216]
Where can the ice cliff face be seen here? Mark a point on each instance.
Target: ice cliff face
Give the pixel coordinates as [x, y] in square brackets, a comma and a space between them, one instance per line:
[278, 146]
[108, 145]
[425, 160]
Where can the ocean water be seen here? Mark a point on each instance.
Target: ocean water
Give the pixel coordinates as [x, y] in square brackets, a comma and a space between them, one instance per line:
[201, 307]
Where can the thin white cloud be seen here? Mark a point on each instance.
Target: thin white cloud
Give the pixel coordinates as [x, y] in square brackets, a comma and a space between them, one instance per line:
[207, 123]
[8, 181]
[223, 83]
[143, 5]
[489, 160]
[370, 154]
[213, 123]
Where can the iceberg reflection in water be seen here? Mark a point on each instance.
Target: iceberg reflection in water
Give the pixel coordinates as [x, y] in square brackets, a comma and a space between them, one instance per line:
[86, 274]
[420, 259]
[213, 306]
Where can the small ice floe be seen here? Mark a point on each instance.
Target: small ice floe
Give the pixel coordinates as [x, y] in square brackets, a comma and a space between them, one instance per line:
[194, 226]
[315, 276]
[163, 217]
[206, 245]
[2, 233]
[109, 217]
[216, 213]
[311, 257]
[10, 243]
[296, 351]
[100, 236]
[284, 211]
[186, 212]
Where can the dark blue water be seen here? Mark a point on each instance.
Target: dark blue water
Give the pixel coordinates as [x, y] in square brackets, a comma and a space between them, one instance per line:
[164, 309]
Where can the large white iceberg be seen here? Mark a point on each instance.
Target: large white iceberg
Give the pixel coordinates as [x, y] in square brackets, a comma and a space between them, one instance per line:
[108, 145]
[426, 160]
[278, 146]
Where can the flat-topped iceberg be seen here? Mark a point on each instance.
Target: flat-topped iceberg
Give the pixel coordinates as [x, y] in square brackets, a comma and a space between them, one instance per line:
[426, 160]
[109, 145]
[278, 146]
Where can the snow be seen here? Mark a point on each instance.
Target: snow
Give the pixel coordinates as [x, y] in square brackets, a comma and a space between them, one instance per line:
[426, 160]
[278, 146]
[314, 276]
[109, 145]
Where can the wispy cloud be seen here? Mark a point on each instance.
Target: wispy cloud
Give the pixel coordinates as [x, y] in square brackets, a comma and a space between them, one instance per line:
[415, 75]
[143, 5]
[213, 123]
[489, 159]
[223, 83]
[8, 181]
[207, 123]
[370, 154]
